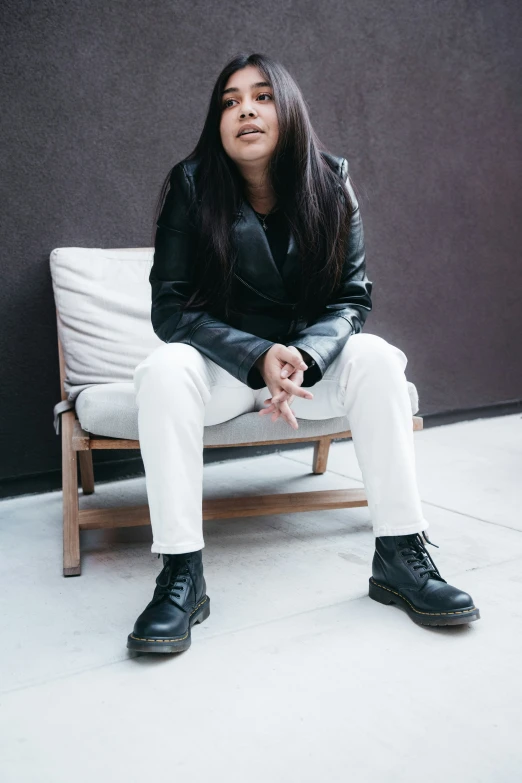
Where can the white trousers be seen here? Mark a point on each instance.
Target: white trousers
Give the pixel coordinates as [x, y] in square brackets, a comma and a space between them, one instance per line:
[179, 391]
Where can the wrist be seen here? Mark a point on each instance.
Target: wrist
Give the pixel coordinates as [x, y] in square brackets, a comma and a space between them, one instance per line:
[260, 361]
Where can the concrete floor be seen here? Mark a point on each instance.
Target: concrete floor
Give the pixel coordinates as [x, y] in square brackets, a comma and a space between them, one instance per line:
[297, 675]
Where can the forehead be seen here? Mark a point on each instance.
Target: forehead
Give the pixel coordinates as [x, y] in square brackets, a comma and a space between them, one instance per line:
[249, 78]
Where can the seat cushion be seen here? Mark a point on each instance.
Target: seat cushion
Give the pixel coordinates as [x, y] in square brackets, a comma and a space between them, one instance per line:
[110, 409]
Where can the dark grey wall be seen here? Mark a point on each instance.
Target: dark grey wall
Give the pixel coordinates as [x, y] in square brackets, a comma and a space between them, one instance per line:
[100, 100]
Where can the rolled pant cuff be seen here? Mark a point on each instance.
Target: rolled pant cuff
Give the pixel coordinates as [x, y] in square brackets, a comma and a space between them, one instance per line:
[403, 530]
[177, 549]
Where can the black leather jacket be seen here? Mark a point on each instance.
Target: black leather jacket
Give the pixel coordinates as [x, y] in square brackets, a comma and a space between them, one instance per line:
[263, 312]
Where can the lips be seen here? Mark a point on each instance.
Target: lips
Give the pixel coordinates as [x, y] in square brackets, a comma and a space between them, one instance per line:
[248, 129]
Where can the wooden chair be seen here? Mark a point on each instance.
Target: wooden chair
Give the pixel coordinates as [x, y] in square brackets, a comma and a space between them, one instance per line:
[78, 445]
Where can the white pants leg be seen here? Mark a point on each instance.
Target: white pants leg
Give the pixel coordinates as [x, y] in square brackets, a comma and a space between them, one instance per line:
[179, 391]
[367, 383]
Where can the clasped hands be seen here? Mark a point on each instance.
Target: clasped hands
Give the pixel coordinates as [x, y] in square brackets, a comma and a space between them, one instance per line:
[282, 368]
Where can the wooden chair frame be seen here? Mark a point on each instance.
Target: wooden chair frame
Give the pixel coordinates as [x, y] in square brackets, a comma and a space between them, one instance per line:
[78, 445]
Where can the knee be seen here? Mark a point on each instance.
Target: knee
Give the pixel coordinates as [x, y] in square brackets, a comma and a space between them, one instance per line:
[373, 351]
[168, 364]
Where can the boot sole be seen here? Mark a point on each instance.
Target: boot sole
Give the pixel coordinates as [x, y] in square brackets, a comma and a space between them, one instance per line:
[177, 643]
[386, 595]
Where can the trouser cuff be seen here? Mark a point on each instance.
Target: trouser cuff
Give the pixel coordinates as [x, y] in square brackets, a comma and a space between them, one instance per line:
[401, 530]
[177, 549]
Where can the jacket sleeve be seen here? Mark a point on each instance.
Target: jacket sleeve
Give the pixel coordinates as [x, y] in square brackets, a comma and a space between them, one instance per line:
[346, 310]
[171, 280]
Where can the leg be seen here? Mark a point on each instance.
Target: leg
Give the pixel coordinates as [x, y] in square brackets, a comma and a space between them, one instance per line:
[86, 472]
[373, 392]
[321, 451]
[178, 392]
[71, 520]
[367, 383]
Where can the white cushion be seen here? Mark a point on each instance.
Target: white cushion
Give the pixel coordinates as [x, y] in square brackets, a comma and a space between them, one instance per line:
[103, 300]
[111, 410]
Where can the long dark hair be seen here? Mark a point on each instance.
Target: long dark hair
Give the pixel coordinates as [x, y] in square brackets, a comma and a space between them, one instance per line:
[306, 184]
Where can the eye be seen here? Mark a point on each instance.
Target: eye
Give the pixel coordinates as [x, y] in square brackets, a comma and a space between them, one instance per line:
[225, 103]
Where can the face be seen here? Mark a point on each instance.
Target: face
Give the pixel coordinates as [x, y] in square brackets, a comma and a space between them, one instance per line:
[248, 99]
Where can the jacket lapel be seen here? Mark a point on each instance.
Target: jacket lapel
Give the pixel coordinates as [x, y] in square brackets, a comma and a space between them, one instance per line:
[255, 263]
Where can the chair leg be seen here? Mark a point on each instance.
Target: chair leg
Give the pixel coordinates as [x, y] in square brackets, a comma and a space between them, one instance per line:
[71, 521]
[321, 450]
[86, 472]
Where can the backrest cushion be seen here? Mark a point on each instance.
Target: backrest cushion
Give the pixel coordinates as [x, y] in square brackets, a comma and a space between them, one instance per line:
[103, 299]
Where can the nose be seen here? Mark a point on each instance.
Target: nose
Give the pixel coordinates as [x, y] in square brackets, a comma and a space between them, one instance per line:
[250, 112]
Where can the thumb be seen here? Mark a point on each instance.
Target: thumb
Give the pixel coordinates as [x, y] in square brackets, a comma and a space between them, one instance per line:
[289, 369]
[291, 356]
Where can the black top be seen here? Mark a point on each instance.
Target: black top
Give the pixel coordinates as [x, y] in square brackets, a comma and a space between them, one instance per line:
[277, 233]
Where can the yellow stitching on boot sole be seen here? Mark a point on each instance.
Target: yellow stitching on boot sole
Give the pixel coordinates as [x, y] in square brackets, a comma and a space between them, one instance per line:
[176, 638]
[431, 614]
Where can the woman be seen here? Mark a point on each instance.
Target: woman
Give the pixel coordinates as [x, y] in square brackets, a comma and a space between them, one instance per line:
[259, 288]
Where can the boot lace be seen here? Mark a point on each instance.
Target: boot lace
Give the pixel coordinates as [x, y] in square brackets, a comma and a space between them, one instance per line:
[170, 579]
[412, 546]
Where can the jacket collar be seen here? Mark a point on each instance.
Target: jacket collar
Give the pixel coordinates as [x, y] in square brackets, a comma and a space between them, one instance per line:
[255, 263]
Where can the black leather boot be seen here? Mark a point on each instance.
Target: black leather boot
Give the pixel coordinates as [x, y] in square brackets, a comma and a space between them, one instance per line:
[404, 574]
[179, 601]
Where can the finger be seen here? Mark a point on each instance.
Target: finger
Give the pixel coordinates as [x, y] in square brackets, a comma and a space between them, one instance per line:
[288, 414]
[270, 409]
[299, 360]
[271, 404]
[291, 355]
[279, 410]
[281, 396]
[290, 400]
[276, 412]
[293, 388]
[288, 369]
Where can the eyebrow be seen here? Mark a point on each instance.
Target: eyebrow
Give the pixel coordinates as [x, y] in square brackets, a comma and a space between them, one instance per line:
[252, 87]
